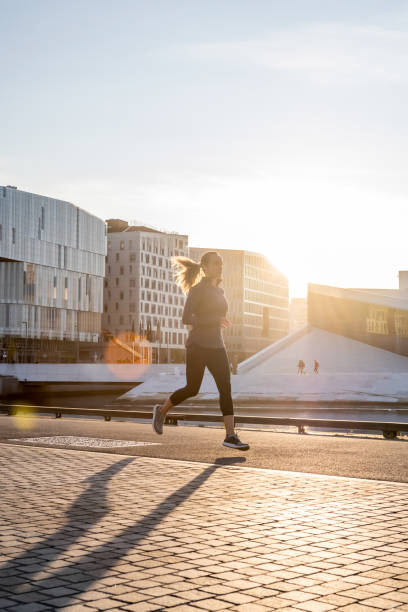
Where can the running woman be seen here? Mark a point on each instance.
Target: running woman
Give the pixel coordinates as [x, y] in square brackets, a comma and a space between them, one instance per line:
[205, 313]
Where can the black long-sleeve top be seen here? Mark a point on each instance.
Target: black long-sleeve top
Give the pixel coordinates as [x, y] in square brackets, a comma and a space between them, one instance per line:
[204, 308]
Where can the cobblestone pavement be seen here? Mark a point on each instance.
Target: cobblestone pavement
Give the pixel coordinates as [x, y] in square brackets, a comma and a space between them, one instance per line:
[88, 531]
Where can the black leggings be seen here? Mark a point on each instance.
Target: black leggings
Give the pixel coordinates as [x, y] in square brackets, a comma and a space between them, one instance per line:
[216, 360]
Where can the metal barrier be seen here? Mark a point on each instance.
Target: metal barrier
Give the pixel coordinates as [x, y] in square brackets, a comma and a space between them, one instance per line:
[389, 430]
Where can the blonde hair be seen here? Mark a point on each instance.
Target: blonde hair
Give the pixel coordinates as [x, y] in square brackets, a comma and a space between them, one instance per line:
[189, 272]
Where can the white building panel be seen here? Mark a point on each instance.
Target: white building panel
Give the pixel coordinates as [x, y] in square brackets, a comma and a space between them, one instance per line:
[52, 263]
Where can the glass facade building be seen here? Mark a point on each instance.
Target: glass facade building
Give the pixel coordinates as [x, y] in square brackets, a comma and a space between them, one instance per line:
[52, 265]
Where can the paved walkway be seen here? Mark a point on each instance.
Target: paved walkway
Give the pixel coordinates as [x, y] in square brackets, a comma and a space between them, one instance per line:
[91, 531]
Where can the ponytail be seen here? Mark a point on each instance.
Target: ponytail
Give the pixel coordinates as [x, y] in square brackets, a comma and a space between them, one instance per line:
[188, 272]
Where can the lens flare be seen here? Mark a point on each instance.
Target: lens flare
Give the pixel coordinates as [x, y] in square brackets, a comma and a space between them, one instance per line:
[24, 421]
[128, 355]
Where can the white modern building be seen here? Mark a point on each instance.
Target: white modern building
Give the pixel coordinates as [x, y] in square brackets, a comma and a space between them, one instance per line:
[141, 297]
[52, 264]
[258, 300]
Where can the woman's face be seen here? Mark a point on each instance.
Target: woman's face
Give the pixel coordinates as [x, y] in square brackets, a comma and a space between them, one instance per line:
[214, 267]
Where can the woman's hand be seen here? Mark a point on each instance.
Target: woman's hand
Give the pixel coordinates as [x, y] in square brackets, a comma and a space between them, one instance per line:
[224, 323]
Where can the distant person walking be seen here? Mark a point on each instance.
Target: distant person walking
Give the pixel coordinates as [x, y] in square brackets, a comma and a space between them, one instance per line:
[316, 367]
[301, 367]
[205, 313]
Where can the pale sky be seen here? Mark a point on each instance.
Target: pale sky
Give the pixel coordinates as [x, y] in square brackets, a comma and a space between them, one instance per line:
[268, 125]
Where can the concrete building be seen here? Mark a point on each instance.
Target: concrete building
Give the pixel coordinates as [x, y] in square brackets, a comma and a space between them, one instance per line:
[52, 264]
[258, 298]
[297, 314]
[140, 296]
[378, 317]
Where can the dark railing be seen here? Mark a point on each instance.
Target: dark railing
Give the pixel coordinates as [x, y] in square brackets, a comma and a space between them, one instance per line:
[389, 430]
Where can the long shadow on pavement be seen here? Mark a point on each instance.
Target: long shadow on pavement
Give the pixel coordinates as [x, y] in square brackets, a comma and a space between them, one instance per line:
[18, 575]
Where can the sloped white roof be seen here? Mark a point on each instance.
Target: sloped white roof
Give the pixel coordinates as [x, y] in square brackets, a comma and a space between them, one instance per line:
[336, 355]
[388, 298]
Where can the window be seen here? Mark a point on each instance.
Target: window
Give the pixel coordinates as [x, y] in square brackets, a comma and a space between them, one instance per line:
[1, 232]
[132, 307]
[42, 217]
[132, 257]
[121, 295]
[117, 257]
[130, 269]
[117, 282]
[59, 255]
[116, 306]
[121, 271]
[121, 320]
[55, 288]
[122, 245]
[66, 289]
[79, 290]
[133, 282]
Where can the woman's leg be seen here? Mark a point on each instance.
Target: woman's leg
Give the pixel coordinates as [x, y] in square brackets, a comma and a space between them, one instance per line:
[218, 364]
[195, 366]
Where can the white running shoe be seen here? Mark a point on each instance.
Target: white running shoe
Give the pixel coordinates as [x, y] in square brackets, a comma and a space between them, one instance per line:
[157, 420]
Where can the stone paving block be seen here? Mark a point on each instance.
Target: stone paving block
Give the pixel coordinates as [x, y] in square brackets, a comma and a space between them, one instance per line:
[380, 602]
[91, 595]
[168, 601]
[275, 603]
[358, 608]
[212, 604]
[4, 602]
[314, 606]
[141, 607]
[186, 608]
[252, 607]
[103, 604]
[237, 598]
[29, 607]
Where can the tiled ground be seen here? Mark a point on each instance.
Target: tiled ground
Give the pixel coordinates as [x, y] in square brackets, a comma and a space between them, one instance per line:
[90, 531]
